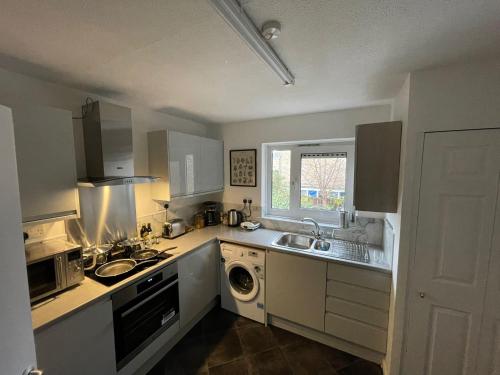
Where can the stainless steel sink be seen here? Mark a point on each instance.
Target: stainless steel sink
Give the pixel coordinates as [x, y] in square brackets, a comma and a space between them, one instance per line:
[334, 248]
[295, 241]
[322, 245]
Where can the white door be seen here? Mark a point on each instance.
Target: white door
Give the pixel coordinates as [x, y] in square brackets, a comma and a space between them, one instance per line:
[17, 347]
[456, 225]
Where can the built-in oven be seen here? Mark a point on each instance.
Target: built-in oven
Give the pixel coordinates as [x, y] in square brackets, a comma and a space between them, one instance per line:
[52, 267]
[143, 311]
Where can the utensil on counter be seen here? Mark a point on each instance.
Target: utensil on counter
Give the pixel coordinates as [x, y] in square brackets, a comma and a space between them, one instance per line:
[147, 254]
[234, 218]
[119, 267]
[344, 219]
[131, 245]
[173, 228]
[95, 256]
[211, 213]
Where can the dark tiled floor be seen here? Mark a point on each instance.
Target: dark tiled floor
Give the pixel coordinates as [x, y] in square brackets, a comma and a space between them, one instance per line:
[224, 343]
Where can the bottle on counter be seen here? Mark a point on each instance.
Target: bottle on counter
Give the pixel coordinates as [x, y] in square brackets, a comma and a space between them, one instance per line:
[144, 231]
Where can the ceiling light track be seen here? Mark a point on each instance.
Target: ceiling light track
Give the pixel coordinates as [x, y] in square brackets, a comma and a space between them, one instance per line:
[233, 13]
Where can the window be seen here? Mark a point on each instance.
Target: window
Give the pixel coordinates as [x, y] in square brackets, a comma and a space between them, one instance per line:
[309, 180]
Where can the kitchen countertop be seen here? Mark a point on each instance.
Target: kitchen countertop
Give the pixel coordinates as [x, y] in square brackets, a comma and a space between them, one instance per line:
[91, 291]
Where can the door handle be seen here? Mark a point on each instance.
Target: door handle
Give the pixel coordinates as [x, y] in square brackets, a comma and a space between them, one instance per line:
[421, 294]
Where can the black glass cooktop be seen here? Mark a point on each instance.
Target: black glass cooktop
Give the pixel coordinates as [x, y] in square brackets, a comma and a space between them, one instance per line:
[140, 266]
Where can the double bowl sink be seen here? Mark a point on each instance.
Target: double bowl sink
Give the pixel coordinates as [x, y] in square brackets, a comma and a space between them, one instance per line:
[335, 248]
[301, 242]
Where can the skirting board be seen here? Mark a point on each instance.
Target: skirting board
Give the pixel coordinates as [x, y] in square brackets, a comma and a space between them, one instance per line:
[325, 339]
[156, 356]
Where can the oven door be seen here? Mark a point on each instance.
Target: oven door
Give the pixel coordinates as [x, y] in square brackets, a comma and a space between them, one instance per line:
[44, 277]
[143, 319]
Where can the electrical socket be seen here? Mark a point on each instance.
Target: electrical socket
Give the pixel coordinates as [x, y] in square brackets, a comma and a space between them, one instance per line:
[35, 231]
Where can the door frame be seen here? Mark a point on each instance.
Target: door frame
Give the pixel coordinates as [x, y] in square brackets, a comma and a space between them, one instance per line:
[413, 223]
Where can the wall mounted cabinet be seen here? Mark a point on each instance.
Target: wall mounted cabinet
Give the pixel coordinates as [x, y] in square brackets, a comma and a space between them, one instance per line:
[46, 163]
[376, 178]
[187, 164]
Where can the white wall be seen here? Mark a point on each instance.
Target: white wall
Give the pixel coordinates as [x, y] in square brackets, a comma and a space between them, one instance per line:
[315, 126]
[457, 97]
[17, 89]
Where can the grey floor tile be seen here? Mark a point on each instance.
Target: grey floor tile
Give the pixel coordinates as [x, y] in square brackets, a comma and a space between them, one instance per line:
[307, 359]
[269, 362]
[362, 367]
[237, 367]
[337, 358]
[256, 339]
[223, 347]
[224, 343]
[285, 337]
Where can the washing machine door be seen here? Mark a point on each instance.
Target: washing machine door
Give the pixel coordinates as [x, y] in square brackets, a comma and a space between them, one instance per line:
[242, 280]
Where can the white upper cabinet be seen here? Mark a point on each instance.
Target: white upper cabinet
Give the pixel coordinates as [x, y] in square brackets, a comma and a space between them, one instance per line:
[211, 173]
[187, 164]
[46, 162]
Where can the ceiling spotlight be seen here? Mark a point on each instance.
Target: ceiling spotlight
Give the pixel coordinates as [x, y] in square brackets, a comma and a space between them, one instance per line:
[234, 14]
[271, 30]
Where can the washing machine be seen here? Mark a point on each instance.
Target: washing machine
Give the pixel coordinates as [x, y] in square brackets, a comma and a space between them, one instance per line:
[242, 280]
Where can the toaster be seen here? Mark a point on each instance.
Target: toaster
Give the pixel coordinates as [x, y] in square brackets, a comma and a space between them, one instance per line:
[173, 228]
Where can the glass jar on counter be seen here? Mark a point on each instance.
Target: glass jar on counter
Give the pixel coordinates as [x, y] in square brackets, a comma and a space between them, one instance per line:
[199, 221]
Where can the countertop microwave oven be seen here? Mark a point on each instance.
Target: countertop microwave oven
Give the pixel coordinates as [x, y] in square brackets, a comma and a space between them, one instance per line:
[53, 266]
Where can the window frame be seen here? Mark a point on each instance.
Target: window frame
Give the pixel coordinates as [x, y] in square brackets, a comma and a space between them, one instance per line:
[295, 212]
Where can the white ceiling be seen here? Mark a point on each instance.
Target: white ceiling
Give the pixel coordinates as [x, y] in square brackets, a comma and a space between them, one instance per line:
[179, 56]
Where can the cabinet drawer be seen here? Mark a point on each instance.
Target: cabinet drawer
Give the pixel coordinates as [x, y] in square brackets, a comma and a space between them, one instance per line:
[356, 332]
[357, 276]
[356, 311]
[353, 293]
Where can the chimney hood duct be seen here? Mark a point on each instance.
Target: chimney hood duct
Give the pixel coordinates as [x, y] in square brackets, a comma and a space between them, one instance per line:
[107, 133]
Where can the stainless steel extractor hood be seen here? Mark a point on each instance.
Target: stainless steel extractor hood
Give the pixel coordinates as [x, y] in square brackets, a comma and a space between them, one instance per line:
[107, 132]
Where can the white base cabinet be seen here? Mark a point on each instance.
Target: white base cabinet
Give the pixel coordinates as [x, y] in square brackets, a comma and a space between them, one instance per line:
[341, 305]
[198, 281]
[82, 344]
[296, 288]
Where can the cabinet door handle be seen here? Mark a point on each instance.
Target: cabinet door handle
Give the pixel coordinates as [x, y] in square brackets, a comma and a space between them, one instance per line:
[59, 272]
[421, 294]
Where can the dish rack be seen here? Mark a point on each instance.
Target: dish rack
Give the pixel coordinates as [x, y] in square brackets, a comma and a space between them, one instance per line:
[351, 250]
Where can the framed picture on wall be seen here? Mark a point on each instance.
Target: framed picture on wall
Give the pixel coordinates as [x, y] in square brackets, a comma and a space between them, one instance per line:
[243, 164]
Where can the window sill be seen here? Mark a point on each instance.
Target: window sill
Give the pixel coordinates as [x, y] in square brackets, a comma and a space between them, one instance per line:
[284, 219]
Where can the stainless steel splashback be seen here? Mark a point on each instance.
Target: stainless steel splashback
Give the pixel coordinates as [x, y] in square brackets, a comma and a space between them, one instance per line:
[107, 214]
